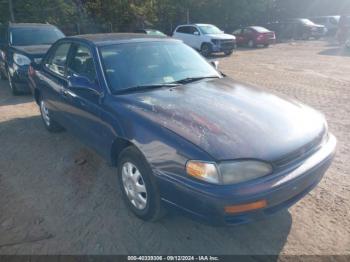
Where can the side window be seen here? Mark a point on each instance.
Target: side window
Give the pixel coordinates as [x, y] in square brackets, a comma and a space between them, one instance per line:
[57, 61]
[183, 30]
[192, 30]
[3, 36]
[247, 31]
[82, 63]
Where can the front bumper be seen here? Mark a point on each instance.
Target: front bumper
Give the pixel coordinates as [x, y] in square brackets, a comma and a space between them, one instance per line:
[19, 75]
[280, 190]
[224, 46]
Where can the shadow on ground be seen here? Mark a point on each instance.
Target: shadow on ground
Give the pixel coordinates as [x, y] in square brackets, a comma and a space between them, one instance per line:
[54, 203]
[339, 51]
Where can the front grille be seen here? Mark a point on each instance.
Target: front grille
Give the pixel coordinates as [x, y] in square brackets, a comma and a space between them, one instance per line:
[227, 44]
[303, 152]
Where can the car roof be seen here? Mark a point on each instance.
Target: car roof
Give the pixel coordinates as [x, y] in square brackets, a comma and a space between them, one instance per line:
[21, 25]
[194, 25]
[115, 38]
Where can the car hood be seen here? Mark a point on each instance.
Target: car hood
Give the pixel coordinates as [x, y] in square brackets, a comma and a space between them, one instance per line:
[33, 50]
[222, 36]
[230, 120]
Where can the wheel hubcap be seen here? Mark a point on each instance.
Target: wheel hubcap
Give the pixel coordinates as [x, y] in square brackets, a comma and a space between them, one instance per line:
[9, 78]
[45, 113]
[134, 186]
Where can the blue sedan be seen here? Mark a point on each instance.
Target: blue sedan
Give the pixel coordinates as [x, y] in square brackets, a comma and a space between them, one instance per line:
[180, 133]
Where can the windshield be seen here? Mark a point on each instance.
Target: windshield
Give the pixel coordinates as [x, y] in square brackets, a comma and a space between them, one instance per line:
[35, 36]
[210, 30]
[260, 29]
[307, 22]
[155, 32]
[152, 63]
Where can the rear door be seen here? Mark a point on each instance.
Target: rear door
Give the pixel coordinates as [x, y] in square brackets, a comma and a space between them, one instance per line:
[52, 80]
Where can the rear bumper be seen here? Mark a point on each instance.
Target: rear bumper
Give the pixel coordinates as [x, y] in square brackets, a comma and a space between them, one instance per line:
[280, 191]
[266, 41]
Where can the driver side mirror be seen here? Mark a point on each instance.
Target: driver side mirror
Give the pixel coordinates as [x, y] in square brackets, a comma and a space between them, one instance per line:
[215, 64]
[196, 33]
[83, 84]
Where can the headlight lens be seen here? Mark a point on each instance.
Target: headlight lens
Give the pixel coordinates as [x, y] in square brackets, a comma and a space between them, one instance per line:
[215, 41]
[203, 171]
[242, 171]
[21, 59]
[228, 173]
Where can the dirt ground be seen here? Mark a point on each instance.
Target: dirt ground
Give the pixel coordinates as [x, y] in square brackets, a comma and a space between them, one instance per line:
[58, 197]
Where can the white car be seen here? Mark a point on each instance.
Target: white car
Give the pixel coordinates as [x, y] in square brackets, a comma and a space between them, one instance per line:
[206, 38]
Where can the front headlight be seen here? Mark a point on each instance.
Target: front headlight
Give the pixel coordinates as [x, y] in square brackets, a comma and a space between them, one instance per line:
[215, 41]
[228, 173]
[21, 60]
[242, 171]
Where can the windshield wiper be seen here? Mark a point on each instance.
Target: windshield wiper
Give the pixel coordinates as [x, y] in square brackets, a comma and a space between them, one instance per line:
[194, 79]
[145, 87]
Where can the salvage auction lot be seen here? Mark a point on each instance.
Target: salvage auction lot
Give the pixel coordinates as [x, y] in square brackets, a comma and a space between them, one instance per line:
[58, 197]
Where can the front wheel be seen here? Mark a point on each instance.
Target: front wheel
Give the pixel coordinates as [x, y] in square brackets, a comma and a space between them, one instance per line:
[51, 125]
[139, 189]
[206, 50]
[2, 75]
[12, 84]
[228, 52]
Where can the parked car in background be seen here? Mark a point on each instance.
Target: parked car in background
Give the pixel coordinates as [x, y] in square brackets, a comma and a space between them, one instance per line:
[330, 22]
[254, 36]
[347, 44]
[299, 28]
[206, 38]
[150, 32]
[21, 44]
[179, 133]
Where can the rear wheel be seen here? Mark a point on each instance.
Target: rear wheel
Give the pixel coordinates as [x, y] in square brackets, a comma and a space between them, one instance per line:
[139, 189]
[206, 50]
[251, 43]
[51, 125]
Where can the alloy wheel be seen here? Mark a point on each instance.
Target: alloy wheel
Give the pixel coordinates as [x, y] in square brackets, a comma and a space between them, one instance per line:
[45, 113]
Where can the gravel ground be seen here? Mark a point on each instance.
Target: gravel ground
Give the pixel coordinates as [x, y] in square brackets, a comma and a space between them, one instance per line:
[58, 197]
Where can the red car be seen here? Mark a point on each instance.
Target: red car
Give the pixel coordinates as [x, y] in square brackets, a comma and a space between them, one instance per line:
[254, 36]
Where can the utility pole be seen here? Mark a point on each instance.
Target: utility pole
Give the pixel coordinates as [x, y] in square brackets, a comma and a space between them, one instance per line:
[188, 16]
[12, 16]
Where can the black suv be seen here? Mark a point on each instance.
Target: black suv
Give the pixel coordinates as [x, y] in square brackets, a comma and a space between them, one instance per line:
[21, 44]
[298, 28]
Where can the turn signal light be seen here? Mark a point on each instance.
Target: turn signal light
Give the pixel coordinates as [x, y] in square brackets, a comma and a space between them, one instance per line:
[246, 207]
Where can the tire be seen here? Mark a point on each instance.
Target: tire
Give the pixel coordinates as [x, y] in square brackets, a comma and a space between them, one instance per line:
[228, 52]
[12, 85]
[305, 36]
[266, 45]
[51, 125]
[138, 186]
[206, 50]
[2, 75]
[251, 44]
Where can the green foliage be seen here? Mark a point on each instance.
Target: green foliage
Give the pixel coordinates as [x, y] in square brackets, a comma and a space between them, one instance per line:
[126, 15]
